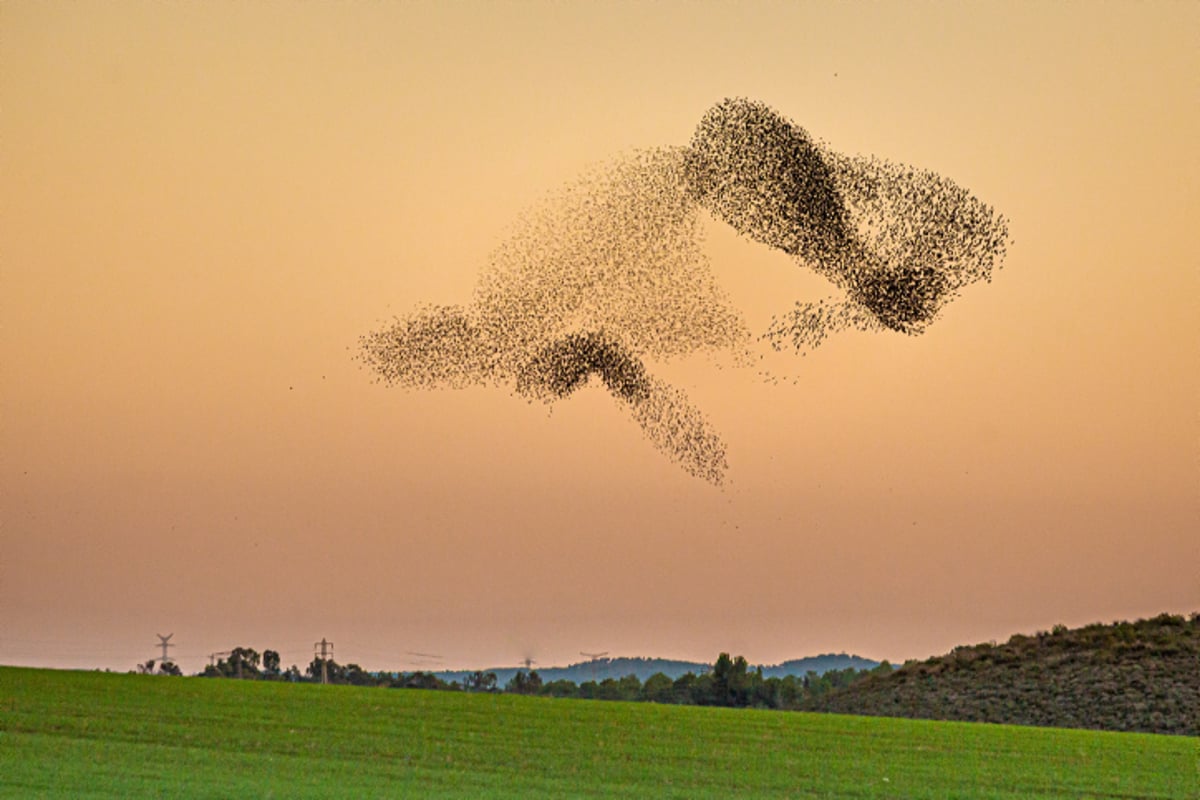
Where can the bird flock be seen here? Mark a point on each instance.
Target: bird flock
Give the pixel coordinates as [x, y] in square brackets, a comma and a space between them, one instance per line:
[610, 271]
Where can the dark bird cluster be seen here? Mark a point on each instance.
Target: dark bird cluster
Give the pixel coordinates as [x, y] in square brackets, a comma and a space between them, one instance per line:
[611, 271]
[565, 364]
[766, 178]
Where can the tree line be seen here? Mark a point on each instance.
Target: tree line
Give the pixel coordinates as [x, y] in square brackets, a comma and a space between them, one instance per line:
[731, 682]
[1139, 676]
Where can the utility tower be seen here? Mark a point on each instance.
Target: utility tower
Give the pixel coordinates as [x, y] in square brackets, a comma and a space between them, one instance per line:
[326, 653]
[592, 659]
[163, 642]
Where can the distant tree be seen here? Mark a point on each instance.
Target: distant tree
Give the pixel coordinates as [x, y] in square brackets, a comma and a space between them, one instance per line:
[743, 683]
[560, 688]
[480, 682]
[629, 688]
[731, 683]
[522, 683]
[164, 668]
[335, 672]
[419, 680]
[244, 662]
[355, 675]
[270, 662]
[658, 688]
[765, 692]
[608, 689]
[703, 690]
[684, 689]
[721, 671]
[790, 692]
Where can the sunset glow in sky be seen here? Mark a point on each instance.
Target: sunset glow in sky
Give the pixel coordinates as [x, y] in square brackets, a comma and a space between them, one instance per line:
[204, 206]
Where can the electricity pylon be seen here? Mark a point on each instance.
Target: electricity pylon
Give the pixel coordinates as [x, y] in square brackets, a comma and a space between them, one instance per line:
[164, 644]
[592, 659]
[326, 652]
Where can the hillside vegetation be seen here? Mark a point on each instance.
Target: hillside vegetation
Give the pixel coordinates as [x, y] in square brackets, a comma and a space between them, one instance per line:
[98, 735]
[1127, 676]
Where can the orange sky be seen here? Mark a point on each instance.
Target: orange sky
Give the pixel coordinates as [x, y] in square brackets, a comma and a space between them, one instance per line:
[203, 206]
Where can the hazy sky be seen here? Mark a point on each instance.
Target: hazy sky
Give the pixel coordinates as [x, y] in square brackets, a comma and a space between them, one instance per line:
[203, 206]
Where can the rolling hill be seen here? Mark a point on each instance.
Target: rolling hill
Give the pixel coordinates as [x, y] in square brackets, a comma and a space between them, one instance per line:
[1142, 676]
[643, 668]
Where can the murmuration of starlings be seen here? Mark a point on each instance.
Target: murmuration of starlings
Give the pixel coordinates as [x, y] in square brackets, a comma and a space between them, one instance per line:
[610, 271]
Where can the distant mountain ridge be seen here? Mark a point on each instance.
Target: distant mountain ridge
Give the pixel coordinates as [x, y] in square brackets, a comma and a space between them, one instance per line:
[643, 668]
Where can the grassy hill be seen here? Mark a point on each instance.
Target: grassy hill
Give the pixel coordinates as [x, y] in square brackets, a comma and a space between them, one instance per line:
[98, 735]
[1127, 676]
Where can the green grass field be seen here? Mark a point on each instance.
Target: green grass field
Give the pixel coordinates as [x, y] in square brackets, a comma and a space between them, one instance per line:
[91, 735]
